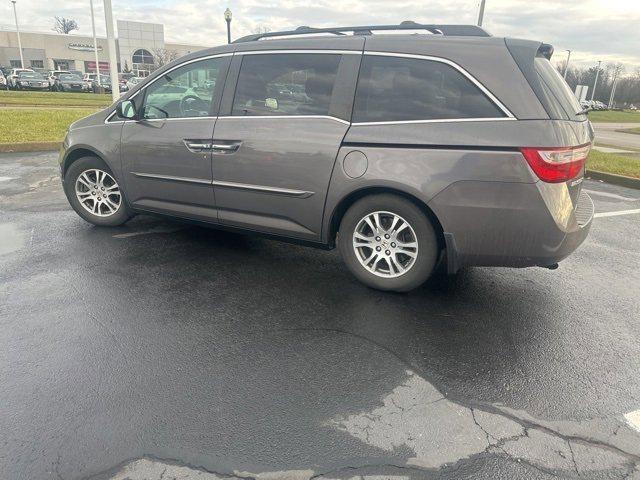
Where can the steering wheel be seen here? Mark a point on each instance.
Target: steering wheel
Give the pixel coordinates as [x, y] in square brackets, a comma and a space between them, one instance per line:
[192, 103]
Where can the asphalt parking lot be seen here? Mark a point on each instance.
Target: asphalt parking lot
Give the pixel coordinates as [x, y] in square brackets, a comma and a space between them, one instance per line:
[163, 350]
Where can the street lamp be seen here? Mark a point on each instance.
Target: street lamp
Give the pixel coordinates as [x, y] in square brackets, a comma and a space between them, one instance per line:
[227, 18]
[595, 82]
[95, 43]
[15, 15]
[566, 67]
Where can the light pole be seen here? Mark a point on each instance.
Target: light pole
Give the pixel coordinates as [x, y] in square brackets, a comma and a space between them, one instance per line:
[95, 43]
[481, 13]
[566, 67]
[15, 15]
[227, 18]
[111, 44]
[595, 82]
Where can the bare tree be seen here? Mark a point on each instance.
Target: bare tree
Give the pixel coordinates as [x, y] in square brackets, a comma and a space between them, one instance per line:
[162, 56]
[65, 25]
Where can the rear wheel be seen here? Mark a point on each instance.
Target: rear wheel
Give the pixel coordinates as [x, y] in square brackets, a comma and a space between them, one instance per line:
[388, 243]
[94, 193]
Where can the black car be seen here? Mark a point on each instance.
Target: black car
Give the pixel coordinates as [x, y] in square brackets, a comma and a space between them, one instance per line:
[31, 81]
[68, 82]
[105, 82]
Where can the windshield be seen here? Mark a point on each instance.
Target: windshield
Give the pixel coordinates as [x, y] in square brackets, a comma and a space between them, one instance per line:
[33, 75]
[68, 76]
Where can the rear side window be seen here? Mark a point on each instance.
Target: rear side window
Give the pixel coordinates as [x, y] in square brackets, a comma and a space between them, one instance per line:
[286, 84]
[403, 89]
[557, 92]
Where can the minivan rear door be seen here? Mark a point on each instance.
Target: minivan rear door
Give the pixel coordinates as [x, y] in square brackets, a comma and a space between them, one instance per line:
[283, 117]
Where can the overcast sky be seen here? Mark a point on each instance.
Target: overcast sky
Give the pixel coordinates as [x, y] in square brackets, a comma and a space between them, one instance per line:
[607, 30]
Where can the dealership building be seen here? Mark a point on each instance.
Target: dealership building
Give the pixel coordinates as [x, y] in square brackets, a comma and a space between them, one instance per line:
[137, 45]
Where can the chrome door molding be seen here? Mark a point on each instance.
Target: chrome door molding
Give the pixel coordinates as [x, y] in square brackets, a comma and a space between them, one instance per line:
[263, 189]
[172, 178]
[279, 117]
[289, 192]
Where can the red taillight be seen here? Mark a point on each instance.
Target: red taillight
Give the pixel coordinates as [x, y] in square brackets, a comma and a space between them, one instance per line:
[555, 165]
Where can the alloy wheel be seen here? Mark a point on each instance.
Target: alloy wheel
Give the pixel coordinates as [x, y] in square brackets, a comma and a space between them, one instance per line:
[98, 192]
[385, 244]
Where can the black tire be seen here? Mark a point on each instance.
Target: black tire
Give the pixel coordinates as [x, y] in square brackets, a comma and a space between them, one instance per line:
[78, 167]
[428, 249]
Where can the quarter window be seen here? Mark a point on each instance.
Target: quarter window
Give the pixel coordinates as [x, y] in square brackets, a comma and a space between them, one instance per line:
[286, 84]
[403, 89]
[184, 92]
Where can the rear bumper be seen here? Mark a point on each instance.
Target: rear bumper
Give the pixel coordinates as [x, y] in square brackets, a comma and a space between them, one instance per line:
[511, 224]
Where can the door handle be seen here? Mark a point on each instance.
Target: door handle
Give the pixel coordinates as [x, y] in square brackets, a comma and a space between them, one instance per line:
[197, 146]
[225, 148]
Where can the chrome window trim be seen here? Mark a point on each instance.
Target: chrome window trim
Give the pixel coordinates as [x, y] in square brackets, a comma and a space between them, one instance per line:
[470, 77]
[304, 50]
[324, 117]
[435, 120]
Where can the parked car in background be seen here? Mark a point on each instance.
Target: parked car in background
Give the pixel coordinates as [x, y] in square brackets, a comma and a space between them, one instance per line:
[13, 76]
[123, 79]
[133, 81]
[105, 83]
[3, 82]
[31, 81]
[68, 82]
[406, 151]
[52, 75]
[87, 80]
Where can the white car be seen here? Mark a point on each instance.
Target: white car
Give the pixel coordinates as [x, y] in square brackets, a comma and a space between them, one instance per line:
[52, 75]
[3, 82]
[13, 76]
[132, 82]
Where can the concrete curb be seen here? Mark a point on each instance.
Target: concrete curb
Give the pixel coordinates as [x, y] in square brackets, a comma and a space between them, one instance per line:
[620, 180]
[29, 147]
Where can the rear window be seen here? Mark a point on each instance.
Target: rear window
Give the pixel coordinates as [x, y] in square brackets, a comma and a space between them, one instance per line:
[394, 89]
[559, 95]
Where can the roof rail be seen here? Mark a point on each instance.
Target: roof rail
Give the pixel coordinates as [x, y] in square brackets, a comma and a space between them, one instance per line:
[449, 30]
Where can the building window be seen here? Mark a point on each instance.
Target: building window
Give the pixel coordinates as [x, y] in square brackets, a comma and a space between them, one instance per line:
[142, 56]
[37, 64]
[15, 63]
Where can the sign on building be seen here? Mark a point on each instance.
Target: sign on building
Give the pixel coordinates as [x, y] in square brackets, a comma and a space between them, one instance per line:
[90, 67]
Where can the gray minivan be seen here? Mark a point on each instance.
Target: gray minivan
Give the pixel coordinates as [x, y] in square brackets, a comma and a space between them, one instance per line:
[403, 149]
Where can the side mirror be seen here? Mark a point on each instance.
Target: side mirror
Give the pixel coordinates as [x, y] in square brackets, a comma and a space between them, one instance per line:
[126, 109]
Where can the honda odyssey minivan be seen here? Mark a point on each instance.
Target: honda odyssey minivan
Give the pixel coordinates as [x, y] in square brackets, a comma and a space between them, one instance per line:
[404, 150]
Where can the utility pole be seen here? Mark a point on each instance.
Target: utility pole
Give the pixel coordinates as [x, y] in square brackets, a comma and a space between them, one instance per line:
[595, 82]
[15, 15]
[111, 44]
[481, 12]
[95, 42]
[566, 67]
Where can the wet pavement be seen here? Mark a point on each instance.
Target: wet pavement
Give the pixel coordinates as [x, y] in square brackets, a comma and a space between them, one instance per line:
[164, 350]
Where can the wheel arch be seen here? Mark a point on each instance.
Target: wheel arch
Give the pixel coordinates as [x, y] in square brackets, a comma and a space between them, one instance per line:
[77, 153]
[344, 204]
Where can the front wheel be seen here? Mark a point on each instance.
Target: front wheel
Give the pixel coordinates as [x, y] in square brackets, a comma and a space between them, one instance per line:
[94, 193]
[388, 243]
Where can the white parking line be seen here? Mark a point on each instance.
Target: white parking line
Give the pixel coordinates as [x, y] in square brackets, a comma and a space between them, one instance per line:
[6, 179]
[610, 195]
[615, 214]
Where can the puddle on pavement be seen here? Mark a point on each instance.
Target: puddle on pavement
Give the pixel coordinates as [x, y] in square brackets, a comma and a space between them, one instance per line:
[11, 238]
